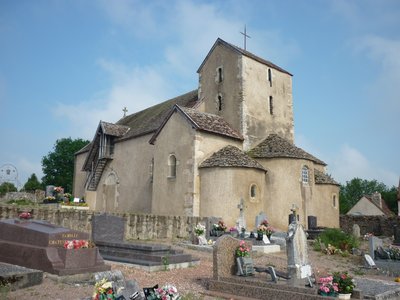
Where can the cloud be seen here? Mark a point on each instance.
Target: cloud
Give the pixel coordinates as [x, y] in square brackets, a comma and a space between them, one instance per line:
[351, 163]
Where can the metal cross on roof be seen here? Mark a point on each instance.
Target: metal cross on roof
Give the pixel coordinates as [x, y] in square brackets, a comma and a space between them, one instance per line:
[245, 36]
[125, 111]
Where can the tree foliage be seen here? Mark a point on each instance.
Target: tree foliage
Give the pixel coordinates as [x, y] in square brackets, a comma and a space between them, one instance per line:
[58, 166]
[32, 184]
[354, 189]
[6, 187]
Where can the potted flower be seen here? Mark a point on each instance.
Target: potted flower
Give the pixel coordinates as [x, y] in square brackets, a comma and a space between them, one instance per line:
[200, 238]
[345, 284]
[103, 290]
[166, 292]
[219, 228]
[234, 232]
[200, 229]
[327, 287]
[243, 250]
[264, 228]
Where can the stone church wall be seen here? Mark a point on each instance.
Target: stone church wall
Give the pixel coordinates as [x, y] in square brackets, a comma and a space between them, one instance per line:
[138, 226]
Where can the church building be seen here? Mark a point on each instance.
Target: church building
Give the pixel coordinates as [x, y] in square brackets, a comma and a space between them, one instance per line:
[203, 153]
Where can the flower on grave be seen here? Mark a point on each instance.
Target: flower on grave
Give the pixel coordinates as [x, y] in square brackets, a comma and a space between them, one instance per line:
[265, 228]
[199, 229]
[25, 215]
[50, 199]
[220, 226]
[344, 281]
[367, 236]
[78, 244]
[327, 286]
[58, 189]
[167, 292]
[242, 250]
[103, 290]
[233, 229]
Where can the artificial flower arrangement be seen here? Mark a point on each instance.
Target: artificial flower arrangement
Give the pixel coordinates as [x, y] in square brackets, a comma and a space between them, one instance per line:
[78, 244]
[167, 292]
[220, 226]
[344, 281]
[233, 230]
[199, 229]
[50, 199]
[58, 189]
[265, 228]
[242, 250]
[327, 286]
[25, 215]
[103, 290]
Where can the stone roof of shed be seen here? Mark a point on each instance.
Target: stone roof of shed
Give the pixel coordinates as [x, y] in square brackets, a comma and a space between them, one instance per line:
[275, 146]
[150, 119]
[245, 53]
[231, 156]
[322, 178]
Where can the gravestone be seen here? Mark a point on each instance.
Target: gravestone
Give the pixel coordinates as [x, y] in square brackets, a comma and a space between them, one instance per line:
[124, 289]
[49, 190]
[279, 238]
[297, 254]
[259, 218]
[108, 228]
[369, 262]
[356, 231]
[312, 222]
[40, 245]
[224, 260]
[396, 235]
[373, 244]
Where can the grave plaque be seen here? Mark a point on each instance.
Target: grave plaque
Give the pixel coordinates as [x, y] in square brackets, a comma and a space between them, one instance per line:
[259, 218]
[40, 245]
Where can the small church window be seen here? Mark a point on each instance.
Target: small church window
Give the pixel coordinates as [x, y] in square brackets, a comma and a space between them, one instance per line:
[151, 169]
[220, 76]
[304, 175]
[172, 166]
[271, 105]
[334, 200]
[219, 102]
[269, 77]
[253, 191]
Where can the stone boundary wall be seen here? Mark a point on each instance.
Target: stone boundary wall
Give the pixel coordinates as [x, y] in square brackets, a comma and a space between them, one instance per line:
[378, 225]
[138, 226]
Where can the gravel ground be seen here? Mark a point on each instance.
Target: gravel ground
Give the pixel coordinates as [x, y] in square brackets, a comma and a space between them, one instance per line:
[192, 281]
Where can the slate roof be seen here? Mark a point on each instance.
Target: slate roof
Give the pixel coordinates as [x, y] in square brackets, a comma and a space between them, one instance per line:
[275, 146]
[322, 178]
[242, 52]
[231, 156]
[150, 119]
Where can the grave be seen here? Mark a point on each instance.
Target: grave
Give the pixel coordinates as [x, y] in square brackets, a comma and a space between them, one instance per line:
[20, 277]
[40, 245]
[108, 235]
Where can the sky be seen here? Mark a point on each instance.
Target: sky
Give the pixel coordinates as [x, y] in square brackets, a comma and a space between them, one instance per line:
[67, 64]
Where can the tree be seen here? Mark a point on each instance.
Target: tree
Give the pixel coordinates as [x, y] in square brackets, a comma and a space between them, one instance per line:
[58, 166]
[354, 189]
[6, 187]
[32, 184]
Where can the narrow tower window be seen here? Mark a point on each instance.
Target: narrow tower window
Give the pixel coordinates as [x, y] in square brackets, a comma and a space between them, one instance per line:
[220, 74]
[271, 105]
[219, 102]
[269, 77]
[253, 191]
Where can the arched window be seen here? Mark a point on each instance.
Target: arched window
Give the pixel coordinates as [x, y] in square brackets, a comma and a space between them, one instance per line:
[172, 166]
[253, 191]
[305, 175]
[334, 200]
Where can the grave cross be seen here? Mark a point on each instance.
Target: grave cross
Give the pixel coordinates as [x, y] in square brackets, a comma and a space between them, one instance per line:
[245, 36]
[125, 111]
[241, 221]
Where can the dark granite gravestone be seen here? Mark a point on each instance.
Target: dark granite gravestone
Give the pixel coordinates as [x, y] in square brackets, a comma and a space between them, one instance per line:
[108, 232]
[312, 222]
[396, 234]
[40, 245]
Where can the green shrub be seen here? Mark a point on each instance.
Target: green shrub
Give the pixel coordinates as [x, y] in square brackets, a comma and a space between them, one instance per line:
[339, 239]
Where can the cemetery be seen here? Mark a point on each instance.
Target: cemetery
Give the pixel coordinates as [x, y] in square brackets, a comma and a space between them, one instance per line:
[90, 253]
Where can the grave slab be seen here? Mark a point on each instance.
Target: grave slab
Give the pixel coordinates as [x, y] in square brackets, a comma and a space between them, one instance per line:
[25, 277]
[40, 245]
